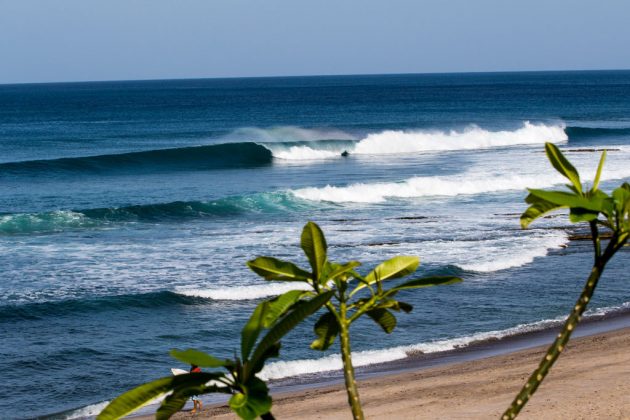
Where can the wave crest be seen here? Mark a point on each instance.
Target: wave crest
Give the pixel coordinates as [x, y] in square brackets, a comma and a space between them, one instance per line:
[474, 137]
[243, 292]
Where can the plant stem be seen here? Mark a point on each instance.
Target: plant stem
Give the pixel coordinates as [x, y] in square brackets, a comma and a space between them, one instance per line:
[348, 369]
[267, 416]
[558, 345]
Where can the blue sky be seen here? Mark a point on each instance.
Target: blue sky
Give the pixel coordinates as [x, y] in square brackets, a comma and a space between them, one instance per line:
[76, 40]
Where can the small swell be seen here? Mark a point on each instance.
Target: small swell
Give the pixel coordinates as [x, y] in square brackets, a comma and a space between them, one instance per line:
[62, 220]
[40, 310]
[580, 133]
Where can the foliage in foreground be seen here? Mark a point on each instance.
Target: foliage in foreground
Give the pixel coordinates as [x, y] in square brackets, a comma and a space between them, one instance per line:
[340, 285]
[598, 209]
[333, 286]
[249, 394]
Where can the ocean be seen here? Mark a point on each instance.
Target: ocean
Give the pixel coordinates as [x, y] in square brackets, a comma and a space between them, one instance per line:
[128, 211]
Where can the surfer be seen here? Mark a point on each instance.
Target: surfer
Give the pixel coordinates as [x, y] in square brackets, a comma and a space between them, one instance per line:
[195, 398]
[345, 153]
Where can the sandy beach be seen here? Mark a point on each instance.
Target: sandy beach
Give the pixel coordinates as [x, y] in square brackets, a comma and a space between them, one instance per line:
[589, 381]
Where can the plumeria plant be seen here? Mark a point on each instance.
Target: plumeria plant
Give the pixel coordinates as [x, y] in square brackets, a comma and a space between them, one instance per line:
[238, 376]
[348, 295]
[609, 212]
[344, 296]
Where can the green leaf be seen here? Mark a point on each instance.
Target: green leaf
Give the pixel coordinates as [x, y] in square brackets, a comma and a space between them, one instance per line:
[251, 330]
[539, 207]
[395, 305]
[384, 318]
[300, 311]
[581, 215]
[274, 269]
[562, 165]
[130, 401]
[405, 307]
[565, 199]
[333, 270]
[423, 282]
[272, 351]
[314, 245]
[598, 174]
[396, 267]
[326, 328]
[278, 306]
[199, 358]
[264, 316]
[253, 401]
[621, 198]
[621, 204]
[171, 405]
[137, 397]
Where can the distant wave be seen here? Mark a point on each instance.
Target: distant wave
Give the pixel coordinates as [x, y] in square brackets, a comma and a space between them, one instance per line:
[61, 220]
[415, 141]
[39, 310]
[179, 296]
[258, 147]
[285, 369]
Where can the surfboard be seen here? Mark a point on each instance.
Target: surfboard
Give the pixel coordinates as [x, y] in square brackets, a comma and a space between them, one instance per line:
[176, 371]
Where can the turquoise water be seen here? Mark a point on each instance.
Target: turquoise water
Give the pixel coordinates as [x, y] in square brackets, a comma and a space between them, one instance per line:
[128, 210]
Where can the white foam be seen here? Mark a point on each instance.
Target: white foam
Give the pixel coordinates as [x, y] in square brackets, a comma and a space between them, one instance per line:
[511, 252]
[278, 370]
[465, 184]
[329, 363]
[394, 141]
[482, 251]
[92, 410]
[474, 137]
[243, 292]
[420, 187]
[303, 153]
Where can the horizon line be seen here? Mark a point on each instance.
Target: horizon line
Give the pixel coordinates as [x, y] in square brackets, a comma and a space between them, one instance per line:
[312, 76]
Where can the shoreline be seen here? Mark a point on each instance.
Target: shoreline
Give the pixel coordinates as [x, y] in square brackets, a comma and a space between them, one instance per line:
[497, 360]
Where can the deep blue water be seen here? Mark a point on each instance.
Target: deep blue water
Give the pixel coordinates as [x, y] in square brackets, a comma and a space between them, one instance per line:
[128, 211]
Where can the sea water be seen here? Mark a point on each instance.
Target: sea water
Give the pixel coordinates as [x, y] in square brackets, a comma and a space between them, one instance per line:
[128, 211]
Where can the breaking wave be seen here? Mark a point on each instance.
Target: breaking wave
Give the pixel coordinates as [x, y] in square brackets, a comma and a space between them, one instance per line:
[258, 147]
[285, 369]
[415, 141]
[448, 186]
[243, 292]
[474, 137]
